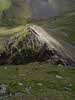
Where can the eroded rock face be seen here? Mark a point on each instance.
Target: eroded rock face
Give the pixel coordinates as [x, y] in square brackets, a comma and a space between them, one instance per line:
[29, 47]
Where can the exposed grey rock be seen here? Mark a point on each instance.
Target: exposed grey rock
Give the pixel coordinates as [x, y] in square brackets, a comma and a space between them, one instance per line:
[61, 61]
[3, 88]
[68, 89]
[55, 57]
[20, 84]
[13, 83]
[59, 65]
[5, 67]
[27, 91]
[40, 84]
[57, 76]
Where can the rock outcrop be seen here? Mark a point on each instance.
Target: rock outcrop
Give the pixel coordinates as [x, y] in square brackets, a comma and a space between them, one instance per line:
[30, 46]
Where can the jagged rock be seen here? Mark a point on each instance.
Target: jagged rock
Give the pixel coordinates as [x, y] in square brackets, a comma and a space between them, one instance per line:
[33, 46]
[62, 62]
[3, 88]
[27, 91]
[68, 89]
[57, 76]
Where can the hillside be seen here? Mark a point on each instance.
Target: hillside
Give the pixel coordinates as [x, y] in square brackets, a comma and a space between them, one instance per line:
[16, 12]
[37, 49]
[30, 77]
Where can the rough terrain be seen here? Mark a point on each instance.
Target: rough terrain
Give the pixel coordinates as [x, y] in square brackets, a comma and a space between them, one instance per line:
[34, 44]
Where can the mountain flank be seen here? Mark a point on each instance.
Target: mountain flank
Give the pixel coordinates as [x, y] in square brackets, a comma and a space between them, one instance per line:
[34, 44]
[19, 12]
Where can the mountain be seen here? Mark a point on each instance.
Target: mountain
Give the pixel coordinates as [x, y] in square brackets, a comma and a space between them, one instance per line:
[33, 44]
[46, 14]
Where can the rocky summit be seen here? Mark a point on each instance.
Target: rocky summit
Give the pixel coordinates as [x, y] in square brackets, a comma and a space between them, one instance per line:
[33, 44]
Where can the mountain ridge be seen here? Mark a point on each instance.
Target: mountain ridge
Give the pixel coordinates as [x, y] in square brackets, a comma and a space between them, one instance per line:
[27, 47]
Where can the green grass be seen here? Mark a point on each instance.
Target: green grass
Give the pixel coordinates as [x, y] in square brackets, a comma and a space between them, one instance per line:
[6, 32]
[45, 74]
[4, 4]
[16, 14]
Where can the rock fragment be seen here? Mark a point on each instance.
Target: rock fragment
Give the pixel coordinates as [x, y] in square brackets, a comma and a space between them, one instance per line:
[3, 88]
[57, 76]
[27, 91]
[40, 84]
[68, 89]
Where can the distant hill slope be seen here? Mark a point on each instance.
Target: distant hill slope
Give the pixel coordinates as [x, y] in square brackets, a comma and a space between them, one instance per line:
[19, 11]
[4, 4]
[63, 6]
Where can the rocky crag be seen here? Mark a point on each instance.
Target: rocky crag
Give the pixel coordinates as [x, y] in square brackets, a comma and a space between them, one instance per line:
[34, 44]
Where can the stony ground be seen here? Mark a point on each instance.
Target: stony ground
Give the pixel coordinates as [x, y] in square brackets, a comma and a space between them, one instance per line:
[37, 81]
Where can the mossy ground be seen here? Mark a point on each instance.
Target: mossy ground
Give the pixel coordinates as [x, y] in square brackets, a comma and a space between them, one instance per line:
[45, 74]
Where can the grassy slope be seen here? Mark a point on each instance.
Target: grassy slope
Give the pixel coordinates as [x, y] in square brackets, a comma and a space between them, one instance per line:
[4, 4]
[17, 13]
[45, 74]
[6, 32]
[63, 7]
